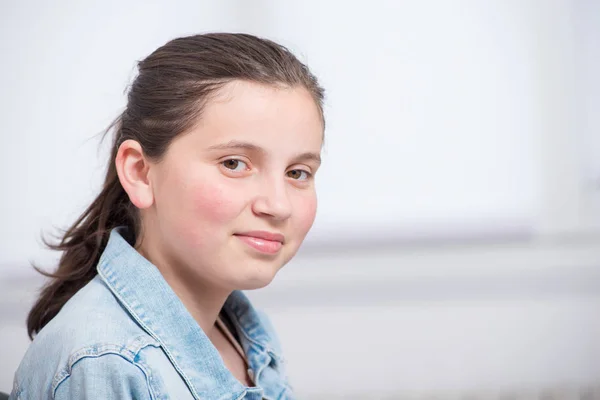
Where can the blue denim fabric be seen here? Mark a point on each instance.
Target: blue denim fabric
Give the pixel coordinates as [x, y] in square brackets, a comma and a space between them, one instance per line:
[126, 335]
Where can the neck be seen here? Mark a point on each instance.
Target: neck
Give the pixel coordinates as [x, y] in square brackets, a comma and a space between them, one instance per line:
[202, 300]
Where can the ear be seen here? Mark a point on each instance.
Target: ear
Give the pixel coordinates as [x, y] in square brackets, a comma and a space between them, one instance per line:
[132, 168]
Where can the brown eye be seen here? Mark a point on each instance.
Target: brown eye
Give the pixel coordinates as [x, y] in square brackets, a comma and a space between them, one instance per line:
[298, 174]
[234, 165]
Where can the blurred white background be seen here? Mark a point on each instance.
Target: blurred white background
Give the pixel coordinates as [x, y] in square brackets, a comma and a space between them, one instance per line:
[457, 246]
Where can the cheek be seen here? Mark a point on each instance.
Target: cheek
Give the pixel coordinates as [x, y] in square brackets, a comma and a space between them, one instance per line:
[305, 211]
[201, 209]
[204, 219]
[214, 204]
[196, 207]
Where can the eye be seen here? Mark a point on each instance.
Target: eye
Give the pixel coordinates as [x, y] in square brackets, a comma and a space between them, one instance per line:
[298, 174]
[235, 165]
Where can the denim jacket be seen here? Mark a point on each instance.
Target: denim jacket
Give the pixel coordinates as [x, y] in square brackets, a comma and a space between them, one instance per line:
[126, 335]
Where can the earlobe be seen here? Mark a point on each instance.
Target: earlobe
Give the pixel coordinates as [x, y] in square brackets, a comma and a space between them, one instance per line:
[132, 169]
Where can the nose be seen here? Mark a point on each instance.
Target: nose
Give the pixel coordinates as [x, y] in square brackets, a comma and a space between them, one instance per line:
[273, 200]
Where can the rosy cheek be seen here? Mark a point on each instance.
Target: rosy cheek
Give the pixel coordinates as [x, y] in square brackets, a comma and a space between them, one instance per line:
[215, 203]
[305, 210]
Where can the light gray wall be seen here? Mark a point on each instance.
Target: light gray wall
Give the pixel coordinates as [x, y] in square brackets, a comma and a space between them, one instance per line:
[492, 317]
[503, 159]
[445, 119]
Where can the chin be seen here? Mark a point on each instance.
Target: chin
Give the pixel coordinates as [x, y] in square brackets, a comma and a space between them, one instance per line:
[253, 285]
[256, 277]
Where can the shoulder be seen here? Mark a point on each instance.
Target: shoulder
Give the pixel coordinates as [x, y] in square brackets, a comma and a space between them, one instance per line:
[105, 376]
[91, 336]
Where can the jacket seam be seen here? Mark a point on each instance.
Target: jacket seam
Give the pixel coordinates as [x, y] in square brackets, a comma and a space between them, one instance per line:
[107, 278]
[17, 390]
[103, 350]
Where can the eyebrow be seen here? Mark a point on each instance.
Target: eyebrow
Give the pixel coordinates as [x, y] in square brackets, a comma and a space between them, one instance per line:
[236, 145]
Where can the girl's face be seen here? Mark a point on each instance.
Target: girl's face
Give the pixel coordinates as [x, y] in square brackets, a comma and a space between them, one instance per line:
[235, 197]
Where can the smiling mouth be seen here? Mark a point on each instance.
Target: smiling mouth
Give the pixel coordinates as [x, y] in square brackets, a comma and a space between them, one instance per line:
[263, 242]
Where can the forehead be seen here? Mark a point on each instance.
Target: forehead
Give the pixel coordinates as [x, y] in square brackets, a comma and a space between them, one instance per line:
[263, 114]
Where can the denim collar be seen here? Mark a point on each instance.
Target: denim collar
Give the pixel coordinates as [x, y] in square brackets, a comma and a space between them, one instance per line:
[143, 291]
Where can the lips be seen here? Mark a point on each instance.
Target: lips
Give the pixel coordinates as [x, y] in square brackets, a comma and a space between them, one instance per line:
[262, 241]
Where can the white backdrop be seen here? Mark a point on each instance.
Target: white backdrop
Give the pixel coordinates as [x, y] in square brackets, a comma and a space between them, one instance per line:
[436, 118]
[432, 110]
[424, 139]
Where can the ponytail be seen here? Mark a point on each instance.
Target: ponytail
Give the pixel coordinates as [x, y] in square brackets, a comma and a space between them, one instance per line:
[82, 245]
[166, 99]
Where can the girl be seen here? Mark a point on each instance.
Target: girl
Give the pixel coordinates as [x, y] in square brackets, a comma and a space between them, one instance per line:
[209, 191]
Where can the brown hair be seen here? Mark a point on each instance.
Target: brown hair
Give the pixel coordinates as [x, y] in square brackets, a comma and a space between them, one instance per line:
[165, 99]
